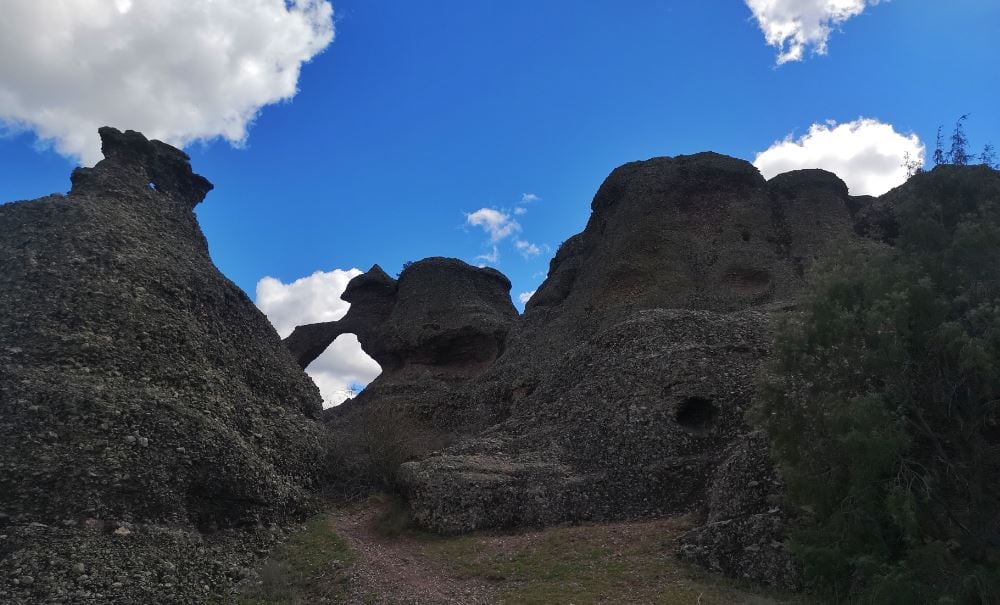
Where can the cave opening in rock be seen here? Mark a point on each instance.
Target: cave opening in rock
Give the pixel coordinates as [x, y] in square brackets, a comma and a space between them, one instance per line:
[696, 413]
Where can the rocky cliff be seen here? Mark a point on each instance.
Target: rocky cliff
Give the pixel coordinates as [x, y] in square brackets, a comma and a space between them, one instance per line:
[152, 423]
[621, 391]
[137, 384]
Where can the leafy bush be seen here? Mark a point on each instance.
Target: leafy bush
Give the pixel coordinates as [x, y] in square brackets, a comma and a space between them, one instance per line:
[391, 437]
[882, 401]
[364, 456]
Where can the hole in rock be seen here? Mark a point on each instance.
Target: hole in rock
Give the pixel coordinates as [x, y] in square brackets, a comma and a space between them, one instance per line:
[152, 185]
[343, 370]
[696, 413]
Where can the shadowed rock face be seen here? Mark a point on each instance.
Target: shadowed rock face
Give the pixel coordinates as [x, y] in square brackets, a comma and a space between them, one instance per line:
[136, 382]
[627, 423]
[131, 163]
[618, 391]
[695, 232]
[622, 389]
[441, 313]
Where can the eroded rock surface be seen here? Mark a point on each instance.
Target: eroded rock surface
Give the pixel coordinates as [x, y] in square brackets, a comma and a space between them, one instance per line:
[137, 384]
[632, 366]
[627, 424]
[442, 313]
[745, 529]
[621, 391]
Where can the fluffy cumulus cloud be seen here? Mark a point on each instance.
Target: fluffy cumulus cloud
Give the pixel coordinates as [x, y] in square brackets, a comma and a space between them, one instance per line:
[498, 224]
[313, 299]
[797, 26]
[524, 297]
[179, 71]
[869, 155]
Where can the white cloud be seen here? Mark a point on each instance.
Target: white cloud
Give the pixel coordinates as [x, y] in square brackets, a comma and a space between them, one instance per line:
[527, 198]
[527, 249]
[179, 71]
[866, 153]
[314, 299]
[497, 224]
[796, 26]
[524, 297]
[519, 211]
[491, 257]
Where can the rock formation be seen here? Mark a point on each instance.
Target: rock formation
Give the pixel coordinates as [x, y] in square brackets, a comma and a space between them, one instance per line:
[144, 398]
[137, 384]
[441, 313]
[634, 360]
[621, 391]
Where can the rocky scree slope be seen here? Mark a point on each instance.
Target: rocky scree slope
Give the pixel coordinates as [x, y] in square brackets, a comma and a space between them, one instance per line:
[137, 384]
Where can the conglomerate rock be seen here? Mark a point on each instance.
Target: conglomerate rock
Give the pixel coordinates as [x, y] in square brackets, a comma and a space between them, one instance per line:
[627, 424]
[441, 313]
[745, 528]
[622, 389]
[137, 384]
[632, 366]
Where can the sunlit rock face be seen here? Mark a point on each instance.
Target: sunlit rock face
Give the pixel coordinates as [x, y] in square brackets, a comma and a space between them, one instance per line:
[136, 381]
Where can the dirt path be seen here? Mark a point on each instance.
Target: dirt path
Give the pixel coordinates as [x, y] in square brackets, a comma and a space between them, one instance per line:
[397, 570]
[618, 563]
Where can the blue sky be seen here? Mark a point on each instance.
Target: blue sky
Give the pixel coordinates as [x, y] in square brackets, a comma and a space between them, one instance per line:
[418, 114]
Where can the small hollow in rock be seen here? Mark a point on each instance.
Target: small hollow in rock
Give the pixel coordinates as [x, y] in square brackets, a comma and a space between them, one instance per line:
[696, 413]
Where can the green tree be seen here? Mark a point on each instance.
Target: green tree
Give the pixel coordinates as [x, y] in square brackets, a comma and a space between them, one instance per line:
[939, 149]
[959, 152]
[881, 401]
[988, 157]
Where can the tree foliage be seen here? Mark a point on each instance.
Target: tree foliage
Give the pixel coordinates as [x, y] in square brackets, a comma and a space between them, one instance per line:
[882, 401]
[988, 157]
[939, 148]
[959, 152]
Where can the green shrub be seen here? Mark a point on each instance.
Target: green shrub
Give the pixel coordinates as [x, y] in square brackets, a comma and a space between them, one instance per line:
[881, 401]
[364, 456]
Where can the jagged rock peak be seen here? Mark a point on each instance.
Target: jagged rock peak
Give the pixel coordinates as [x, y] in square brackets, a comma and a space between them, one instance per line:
[132, 162]
[376, 281]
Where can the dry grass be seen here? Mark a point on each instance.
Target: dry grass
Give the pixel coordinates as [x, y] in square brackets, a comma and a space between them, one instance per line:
[376, 558]
[309, 568]
[609, 563]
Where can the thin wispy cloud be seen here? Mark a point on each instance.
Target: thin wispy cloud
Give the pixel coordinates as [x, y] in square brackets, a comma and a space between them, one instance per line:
[524, 297]
[492, 257]
[796, 27]
[500, 224]
[527, 249]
